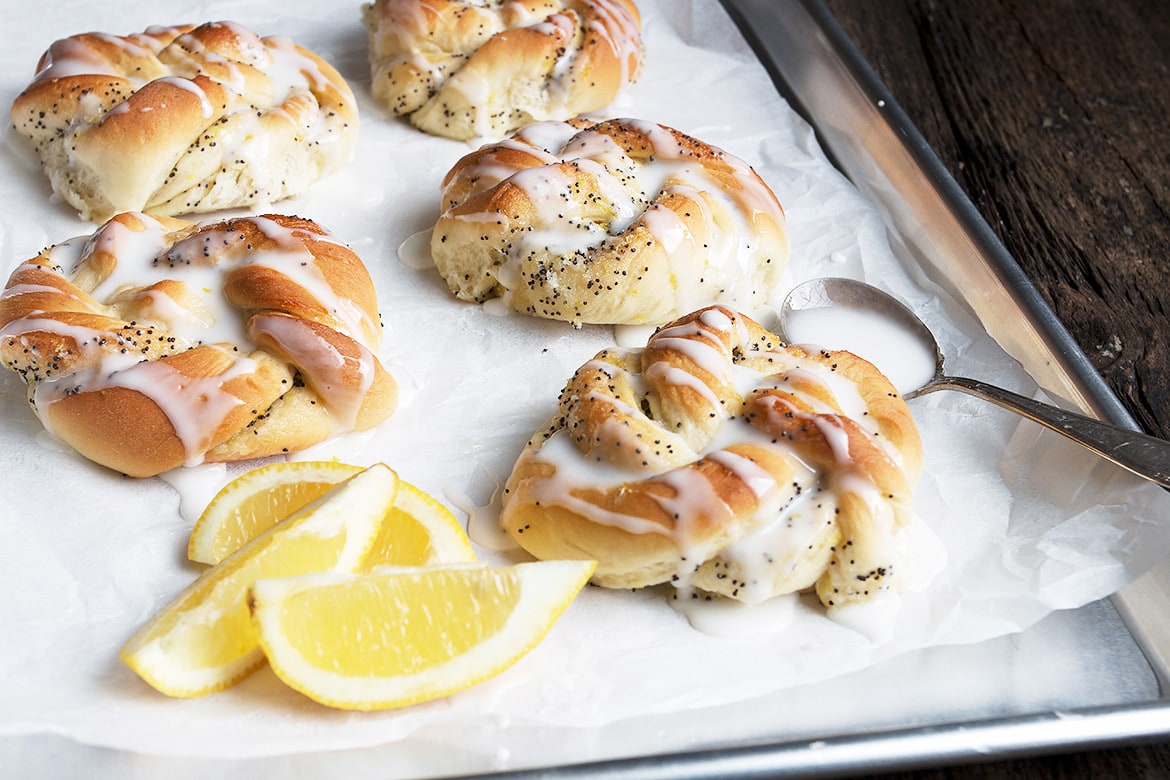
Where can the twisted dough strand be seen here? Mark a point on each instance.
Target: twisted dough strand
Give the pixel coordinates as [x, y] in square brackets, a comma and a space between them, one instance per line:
[720, 459]
[184, 119]
[615, 222]
[156, 342]
[464, 69]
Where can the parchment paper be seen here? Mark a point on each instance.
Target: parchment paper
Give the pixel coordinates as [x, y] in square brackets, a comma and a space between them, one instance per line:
[1031, 524]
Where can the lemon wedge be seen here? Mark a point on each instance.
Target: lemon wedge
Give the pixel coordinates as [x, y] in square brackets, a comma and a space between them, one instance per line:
[419, 531]
[257, 500]
[203, 640]
[399, 636]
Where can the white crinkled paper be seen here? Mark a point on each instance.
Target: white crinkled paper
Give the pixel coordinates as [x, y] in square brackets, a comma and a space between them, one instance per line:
[1031, 523]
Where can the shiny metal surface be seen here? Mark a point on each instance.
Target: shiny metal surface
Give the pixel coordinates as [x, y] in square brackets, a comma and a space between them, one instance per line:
[933, 223]
[1146, 456]
[872, 141]
[869, 754]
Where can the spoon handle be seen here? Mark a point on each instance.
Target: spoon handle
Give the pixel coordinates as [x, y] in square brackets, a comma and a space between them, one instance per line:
[1146, 456]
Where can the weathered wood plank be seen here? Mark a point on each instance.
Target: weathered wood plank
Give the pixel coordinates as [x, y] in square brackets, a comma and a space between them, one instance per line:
[1053, 117]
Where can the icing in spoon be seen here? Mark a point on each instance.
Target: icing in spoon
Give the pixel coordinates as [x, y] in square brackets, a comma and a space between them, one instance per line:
[852, 315]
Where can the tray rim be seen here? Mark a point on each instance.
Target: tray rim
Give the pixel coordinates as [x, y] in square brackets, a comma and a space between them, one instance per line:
[997, 737]
[919, 747]
[1066, 354]
[936, 744]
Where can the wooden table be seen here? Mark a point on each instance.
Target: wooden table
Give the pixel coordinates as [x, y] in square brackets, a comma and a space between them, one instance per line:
[1053, 116]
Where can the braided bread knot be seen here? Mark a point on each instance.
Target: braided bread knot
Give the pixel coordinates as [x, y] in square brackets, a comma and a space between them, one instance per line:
[463, 69]
[720, 459]
[185, 119]
[616, 222]
[156, 343]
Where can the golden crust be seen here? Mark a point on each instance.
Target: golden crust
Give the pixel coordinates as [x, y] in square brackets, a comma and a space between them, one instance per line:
[614, 222]
[184, 119]
[144, 374]
[677, 463]
[464, 69]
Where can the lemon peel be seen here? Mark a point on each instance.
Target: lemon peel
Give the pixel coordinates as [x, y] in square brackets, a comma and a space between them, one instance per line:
[403, 635]
[203, 640]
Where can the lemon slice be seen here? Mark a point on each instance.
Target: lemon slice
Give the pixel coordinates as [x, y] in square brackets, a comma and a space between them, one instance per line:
[419, 531]
[257, 500]
[399, 636]
[203, 641]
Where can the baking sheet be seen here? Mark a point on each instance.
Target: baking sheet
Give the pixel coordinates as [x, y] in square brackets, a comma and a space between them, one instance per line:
[108, 551]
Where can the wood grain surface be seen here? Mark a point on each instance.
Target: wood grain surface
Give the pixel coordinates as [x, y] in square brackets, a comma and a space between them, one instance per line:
[1054, 117]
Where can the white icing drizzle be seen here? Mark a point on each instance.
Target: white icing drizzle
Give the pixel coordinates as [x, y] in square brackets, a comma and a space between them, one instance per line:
[195, 406]
[71, 57]
[187, 85]
[287, 68]
[483, 527]
[723, 268]
[123, 268]
[632, 335]
[415, 250]
[196, 487]
[620, 30]
[416, 35]
[266, 79]
[904, 359]
[292, 259]
[29, 289]
[202, 317]
[290, 70]
[728, 618]
[327, 370]
[789, 518]
[672, 375]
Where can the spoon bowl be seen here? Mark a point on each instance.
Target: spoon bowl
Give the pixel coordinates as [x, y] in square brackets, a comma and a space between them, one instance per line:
[847, 314]
[852, 315]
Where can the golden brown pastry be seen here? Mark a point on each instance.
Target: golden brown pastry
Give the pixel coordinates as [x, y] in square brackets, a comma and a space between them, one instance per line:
[615, 222]
[721, 460]
[156, 343]
[463, 69]
[177, 120]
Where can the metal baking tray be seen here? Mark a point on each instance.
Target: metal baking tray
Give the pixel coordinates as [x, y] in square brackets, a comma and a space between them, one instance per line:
[934, 228]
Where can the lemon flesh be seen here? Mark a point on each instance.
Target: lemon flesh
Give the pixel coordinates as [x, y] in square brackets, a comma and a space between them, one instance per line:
[203, 641]
[419, 531]
[399, 636]
[257, 500]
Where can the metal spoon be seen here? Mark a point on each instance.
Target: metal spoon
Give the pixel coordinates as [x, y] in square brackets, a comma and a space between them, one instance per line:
[1146, 456]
